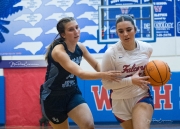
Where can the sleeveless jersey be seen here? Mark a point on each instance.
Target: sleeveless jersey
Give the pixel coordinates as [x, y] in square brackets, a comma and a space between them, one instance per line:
[57, 78]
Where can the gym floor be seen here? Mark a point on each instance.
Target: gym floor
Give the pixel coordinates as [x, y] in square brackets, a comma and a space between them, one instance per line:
[103, 126]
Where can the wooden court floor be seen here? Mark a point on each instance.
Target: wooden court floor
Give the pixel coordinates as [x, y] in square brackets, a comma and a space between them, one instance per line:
[105, 126]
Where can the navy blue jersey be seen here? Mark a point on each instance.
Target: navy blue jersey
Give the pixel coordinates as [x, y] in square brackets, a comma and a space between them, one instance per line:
[57, 78]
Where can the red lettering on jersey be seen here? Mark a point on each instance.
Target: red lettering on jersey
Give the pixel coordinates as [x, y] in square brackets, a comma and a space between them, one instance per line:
[101, 98]
[166, 96]
[134, 68]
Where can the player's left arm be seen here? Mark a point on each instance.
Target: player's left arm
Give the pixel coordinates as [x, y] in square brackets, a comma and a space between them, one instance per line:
[89, 58]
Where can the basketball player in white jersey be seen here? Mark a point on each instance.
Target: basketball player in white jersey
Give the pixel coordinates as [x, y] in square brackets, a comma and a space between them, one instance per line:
[132, 103]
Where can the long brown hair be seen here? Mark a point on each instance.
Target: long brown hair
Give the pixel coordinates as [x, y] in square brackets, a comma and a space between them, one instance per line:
[61, 29]
[126, 18]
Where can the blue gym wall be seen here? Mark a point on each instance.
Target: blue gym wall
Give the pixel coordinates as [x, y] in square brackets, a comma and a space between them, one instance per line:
[166, 99]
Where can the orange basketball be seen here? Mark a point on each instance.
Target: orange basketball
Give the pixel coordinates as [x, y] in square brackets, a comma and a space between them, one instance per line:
[158, 71]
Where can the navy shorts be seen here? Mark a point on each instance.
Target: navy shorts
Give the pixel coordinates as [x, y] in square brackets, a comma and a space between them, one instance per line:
[57, 104]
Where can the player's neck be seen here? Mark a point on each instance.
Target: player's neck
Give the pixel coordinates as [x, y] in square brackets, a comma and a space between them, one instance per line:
[71, 46]
[129, 46]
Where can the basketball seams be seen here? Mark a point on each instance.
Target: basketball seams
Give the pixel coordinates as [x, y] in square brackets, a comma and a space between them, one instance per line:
[161, 70]
[146, 69]
[148, 73]
[158, 73]
[166, 71]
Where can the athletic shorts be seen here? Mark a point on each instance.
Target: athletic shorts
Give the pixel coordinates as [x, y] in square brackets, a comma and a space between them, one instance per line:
[57, 105]
[122, 108]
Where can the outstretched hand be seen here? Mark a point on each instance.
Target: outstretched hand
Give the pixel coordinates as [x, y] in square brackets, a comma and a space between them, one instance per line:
[112, 76]
[140, 81]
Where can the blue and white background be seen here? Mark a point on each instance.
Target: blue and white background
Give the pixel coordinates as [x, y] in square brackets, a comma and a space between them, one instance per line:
[27, 27]
[30, 27]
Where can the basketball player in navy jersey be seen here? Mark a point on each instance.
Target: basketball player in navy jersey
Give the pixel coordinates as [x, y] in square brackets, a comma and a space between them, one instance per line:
[61, 97]
[132, 103]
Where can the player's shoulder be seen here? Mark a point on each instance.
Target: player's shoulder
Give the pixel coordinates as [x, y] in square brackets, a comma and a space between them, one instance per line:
[144, 44]
[113, 48]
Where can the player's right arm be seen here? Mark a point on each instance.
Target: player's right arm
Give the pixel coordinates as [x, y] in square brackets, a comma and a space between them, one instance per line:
[59, 55]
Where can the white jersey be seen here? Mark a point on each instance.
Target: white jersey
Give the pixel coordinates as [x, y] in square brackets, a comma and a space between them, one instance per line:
[128, 62]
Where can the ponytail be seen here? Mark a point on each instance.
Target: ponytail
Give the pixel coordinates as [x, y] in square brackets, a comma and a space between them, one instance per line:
[52, 46]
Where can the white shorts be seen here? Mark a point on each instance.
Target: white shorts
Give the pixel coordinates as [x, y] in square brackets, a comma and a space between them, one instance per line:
[122, 108]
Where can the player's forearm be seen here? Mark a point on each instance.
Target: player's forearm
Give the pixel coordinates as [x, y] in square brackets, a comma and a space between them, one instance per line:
[97, 67]
[116, 85]
[88, 75]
